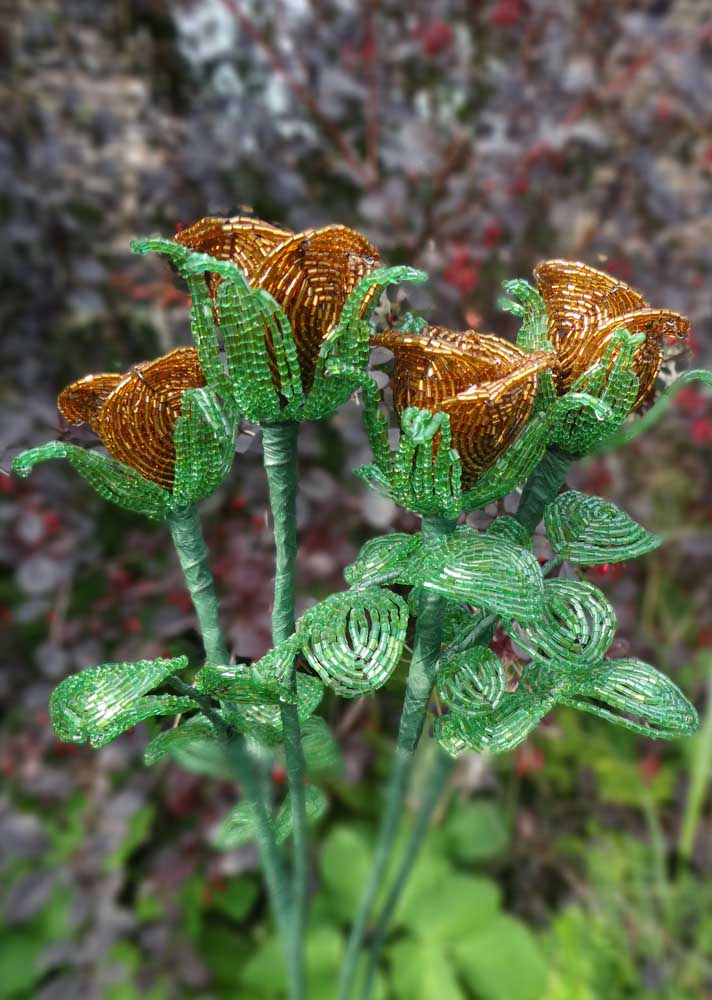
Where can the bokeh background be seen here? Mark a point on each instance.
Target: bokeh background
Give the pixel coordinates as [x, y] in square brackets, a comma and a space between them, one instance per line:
[471, 139]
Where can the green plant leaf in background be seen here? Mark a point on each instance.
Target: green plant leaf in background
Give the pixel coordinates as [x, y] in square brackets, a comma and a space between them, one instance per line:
[102, 702]
[503, 961]
[591, 531]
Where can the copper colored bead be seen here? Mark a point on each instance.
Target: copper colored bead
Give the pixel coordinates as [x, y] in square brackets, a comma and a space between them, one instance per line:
[585, 307]
[310, 273]
[311, 276]
[486, 386]
[134, 415]
[245, 241]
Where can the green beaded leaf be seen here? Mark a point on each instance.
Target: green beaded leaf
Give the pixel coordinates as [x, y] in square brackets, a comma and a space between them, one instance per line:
[499, 731]
[204, 438]
[487, 572]
[527, 303]
[343, 359]
[512, 467]
[509, 529]
[575, 629]
[600, 400]
[322, 753]
[112, 480]
[354, 640]
[250, 320]
[411, 322]
[382, 560]
[591, 531]
[193, 267]
[263, 722]
[264, 682]
[102, 702]
[196, 728]
[471, 682]
[239, 826]
[424, 474]
[634, 695]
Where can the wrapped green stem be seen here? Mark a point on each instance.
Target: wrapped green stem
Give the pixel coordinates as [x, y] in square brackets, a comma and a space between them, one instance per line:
[542, 486]
[195, 561]
[419, 689]
[280, 461]
[437, 780]
[240, 762]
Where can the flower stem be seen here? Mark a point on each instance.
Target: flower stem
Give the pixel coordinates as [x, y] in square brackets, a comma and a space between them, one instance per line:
[542, 487]
[242, 765]
[421, 678]
[194, 559]
[280, 461]
[441, 770]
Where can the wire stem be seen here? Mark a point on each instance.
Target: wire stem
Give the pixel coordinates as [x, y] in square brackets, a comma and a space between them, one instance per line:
[421, 678]
[441, 770]
[280, 461]
[193, 554]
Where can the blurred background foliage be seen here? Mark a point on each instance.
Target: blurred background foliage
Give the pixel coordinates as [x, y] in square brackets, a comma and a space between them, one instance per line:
[468, 137]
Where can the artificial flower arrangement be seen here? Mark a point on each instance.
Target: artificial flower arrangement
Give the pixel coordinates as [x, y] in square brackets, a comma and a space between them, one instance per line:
[283, 327]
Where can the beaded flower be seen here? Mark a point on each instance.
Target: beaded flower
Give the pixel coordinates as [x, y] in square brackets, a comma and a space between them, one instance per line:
[134, 415]
[485, 385]
[585, 308]
[310, 274]
[170, 440]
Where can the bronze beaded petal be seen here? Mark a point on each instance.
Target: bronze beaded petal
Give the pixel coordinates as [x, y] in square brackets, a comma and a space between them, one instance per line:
[585, 307]
[245, 241]
[310, 273]
[134, 415]
[484, 384]
[311, 276]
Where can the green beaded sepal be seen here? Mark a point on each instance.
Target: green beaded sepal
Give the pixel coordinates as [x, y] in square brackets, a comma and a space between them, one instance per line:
[261, 374]
[204, 439]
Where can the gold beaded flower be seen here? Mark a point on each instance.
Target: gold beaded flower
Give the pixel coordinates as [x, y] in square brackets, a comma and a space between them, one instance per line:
[310, 273]
[134, 415]
[484, 384]
[585, 307]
